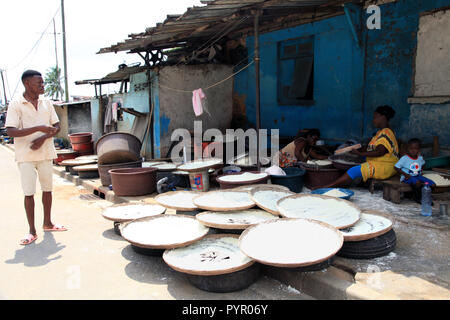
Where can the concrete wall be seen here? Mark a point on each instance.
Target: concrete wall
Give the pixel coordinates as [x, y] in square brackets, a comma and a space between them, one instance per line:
[173, 108]
[61, 111]
[350, 82]
[338, 78]
[433, 52]
[79, 118]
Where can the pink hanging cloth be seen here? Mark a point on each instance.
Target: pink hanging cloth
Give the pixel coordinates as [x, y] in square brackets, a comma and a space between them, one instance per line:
[198, 97]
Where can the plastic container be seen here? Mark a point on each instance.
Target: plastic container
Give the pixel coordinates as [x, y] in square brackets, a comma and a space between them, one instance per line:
[426, 200]
[133, 181]
[82, 137]
[320, 177]
[103, 170]
[292, 180]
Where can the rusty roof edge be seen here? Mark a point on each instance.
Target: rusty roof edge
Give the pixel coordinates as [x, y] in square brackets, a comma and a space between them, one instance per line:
[141, 41]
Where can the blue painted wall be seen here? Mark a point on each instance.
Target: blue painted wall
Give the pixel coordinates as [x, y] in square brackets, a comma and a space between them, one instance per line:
[338, 71]
[350, 81]
[391, 54]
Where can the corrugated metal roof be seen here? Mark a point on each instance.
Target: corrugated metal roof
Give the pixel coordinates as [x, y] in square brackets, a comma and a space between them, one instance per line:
[218, 18]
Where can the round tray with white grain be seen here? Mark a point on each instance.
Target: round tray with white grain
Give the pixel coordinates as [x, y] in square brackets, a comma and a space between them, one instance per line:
[372, 224]
[200, 165]
[224, 200]
[234, 220]
[337, 212]
[131, 211]
[214, 264]
[291, 243]
[267, 198]
[178, 200]
[251, 187]
[163, 231]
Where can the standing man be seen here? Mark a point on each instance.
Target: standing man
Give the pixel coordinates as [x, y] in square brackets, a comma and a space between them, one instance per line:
[33, 123]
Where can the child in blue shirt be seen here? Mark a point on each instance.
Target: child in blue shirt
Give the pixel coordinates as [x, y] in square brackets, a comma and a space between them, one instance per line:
[410, 168]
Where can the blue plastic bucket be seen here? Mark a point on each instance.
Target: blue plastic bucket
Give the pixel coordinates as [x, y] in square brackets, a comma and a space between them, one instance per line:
[292, 180]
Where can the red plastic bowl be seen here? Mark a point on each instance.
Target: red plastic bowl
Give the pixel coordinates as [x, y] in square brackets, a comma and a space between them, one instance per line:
[82, 137]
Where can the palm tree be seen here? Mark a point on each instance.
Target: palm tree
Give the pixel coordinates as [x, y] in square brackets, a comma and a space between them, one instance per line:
[52, 83]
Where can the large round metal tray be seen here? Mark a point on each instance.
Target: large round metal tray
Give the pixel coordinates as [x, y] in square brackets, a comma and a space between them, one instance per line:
[178, 200]
[163, 231]
[213, 255]
[234, 220]
[200, 165]
[372, 224]
[224, 200]
[337, 212]
[291, 243]
[131, 211]
[267, 198]
[250, 187]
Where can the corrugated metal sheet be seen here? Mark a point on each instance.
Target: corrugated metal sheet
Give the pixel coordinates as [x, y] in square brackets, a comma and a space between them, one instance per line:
[223, 17]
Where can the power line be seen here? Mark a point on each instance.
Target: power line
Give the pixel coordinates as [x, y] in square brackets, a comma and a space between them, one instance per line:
[33, 49]
[36, 43]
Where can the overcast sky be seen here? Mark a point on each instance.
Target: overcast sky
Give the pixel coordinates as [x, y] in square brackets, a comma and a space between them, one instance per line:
[90, 25]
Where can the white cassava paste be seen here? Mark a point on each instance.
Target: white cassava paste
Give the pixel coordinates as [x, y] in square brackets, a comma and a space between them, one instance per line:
[244, 177]
[122, 213]
[164, 166]
[369, 224]
[240, 219]
[166, 230]
[226, 200]
[290, 242]
[148, 164]
[250, 187]
[439, 180]
[219, 254]
[335, 193]
[336, 212]
[267, 199]
[199, 164]
[178, 200]
[320, 162]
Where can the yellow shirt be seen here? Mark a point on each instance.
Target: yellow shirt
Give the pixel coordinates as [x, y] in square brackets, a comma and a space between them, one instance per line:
[381, 167]
[21, 115]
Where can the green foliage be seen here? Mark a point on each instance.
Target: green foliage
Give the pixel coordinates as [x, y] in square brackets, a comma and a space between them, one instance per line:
[52, 83]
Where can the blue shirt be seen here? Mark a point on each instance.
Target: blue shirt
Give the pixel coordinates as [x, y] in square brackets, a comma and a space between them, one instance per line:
[411, 166]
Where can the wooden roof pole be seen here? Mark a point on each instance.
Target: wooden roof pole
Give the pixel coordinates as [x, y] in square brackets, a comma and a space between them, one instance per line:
[258, 89]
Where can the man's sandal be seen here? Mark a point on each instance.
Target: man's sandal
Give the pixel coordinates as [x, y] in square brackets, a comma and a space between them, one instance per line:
[55, 228]
[28, 239]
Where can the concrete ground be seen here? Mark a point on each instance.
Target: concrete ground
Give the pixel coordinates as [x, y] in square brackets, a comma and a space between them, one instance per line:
[90, 261]
[85, 260]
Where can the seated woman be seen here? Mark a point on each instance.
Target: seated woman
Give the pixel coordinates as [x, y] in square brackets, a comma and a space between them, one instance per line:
[381, 153]
[301, 149]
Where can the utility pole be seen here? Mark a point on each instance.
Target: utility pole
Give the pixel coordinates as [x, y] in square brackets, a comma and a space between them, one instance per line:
[4, 90]
[56, 47]
[56, 56]
[64, 51]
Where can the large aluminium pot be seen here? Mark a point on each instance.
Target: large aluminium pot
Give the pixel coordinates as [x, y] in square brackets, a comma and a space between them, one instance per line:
[103, 170]
[118, 147]
[129, 182]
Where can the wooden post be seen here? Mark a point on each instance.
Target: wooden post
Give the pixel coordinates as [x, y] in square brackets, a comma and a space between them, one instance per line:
[258, 89]
[64, 51]
[436, 146]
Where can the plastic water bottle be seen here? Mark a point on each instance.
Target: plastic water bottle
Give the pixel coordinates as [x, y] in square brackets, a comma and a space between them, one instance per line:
[426, 200]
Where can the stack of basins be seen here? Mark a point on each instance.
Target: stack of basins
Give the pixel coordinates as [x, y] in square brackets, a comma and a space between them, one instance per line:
[120, 165]
[82, 143]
